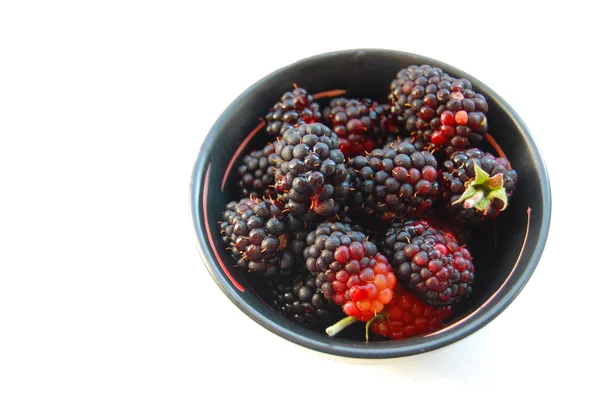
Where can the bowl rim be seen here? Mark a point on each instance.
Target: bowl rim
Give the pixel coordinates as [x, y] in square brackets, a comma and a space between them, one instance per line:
[415, 345]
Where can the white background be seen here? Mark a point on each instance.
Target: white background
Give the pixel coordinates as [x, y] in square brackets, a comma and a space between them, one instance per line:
[103, 108]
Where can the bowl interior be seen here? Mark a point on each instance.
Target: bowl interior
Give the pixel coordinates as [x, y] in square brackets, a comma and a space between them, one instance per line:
[503, 259]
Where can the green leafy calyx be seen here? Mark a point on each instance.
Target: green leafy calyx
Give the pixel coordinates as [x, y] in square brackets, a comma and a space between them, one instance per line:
[482, 190]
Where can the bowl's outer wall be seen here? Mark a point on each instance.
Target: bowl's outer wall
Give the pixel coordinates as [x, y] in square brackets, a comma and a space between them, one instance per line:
[367, 73]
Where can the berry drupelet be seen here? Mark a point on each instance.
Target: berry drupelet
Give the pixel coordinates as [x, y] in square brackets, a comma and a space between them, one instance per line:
[256, 175]
[430, 262]
[361, 124]
[407, 315]
[254, 231]
[294, 108]
[310, 175]
[441, 109]
[392, 141]
[395, 182]
[349, 270]
[298, 299]
[476, 185]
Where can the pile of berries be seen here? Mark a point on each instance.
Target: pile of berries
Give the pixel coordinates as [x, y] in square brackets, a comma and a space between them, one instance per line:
[362, 212]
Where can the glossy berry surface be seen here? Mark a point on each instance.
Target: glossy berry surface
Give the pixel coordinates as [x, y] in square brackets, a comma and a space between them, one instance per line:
[299, 299]
[395, 182]
[257, 177]
[311, 177]
[349, 270]
[406, 315]
[361, 124]
[443, 111]
[254, 231]
[429, 261]
[294, 108]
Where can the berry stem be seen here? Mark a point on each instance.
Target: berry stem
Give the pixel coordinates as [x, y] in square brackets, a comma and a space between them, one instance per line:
[481, 190]
[330, 93]
[496, 147]
[340, 325]
[368, 325]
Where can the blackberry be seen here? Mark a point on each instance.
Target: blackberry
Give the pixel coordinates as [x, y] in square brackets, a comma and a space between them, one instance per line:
[349, 270]
[430, 262]
[310, 174]
[294, 108]
[476, 185]
[257, 177]
[360, 125]
[299, 299]
[395, 182]
[297, 230]
[443, 110]
[254, 231]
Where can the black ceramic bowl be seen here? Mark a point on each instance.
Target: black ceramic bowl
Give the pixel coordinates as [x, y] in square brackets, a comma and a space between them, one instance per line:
[503, 265]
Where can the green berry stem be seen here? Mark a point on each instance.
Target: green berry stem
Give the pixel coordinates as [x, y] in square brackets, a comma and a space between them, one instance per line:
[340, 325]
[368, 325]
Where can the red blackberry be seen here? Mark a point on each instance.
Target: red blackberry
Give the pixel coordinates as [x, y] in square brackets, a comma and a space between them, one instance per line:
[407, 315]
[441, 109]
[430, 262]
[395, 182]
[254, 231]
[298, 299]
[476, 185]
[294, 108]
[310, 174]
[349, 270]
[256, 175]
[360, 124]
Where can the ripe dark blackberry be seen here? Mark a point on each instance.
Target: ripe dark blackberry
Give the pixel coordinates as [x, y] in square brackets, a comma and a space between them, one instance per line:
[349, 270]
[254, 231]
[299, 299]
[297, 230]
[294, 108]
[310, 174]
[441, 109]
[361, 125]
[256, 175]
[395, 182]
[407, 315]
[430, 262]
[476, 185]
